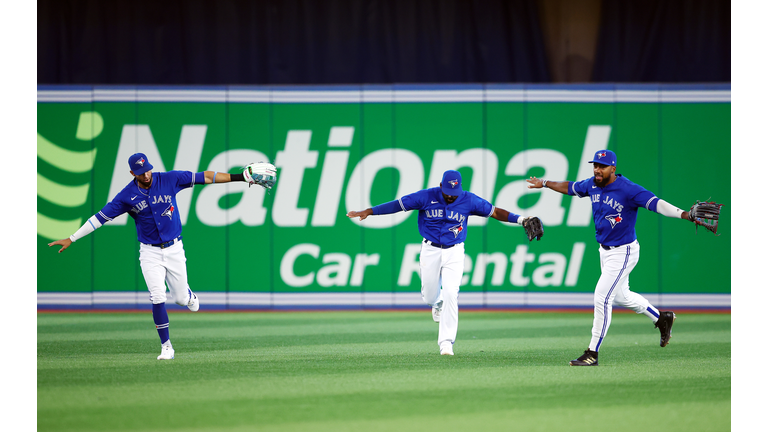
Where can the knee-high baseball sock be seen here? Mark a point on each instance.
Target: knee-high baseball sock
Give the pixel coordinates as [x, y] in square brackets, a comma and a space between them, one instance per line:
[161, 321]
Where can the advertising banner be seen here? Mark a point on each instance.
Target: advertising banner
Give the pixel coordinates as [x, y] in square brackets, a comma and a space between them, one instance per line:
[349, 148]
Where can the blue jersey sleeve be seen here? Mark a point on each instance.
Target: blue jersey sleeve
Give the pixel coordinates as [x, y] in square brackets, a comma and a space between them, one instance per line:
[580, 188]
[116, 207]
[414, 201]
[181, 179]
[200, 178]
[641, 197]
[481, 207]
[112, 210]
[388, 208]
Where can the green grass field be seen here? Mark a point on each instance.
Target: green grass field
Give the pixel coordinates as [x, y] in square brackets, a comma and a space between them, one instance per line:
[379, 371]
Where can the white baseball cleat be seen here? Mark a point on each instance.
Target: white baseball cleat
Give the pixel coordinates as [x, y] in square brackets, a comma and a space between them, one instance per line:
[436, 312]
[194, 303]
[446, 349]
[167, 353]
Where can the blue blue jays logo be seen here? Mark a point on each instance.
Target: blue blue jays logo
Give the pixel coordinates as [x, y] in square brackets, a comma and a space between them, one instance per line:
[601, 155]
[456, 230]
[169, 211]
[453, 183]
[614, 219]
[141, 161]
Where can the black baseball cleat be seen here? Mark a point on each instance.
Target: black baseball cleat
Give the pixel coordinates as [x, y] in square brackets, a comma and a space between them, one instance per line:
[664, 324]
[589, 358]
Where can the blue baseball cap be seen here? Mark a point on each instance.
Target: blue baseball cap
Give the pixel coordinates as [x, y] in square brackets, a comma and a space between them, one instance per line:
[139, 163]
[605, 157]
[451, 184]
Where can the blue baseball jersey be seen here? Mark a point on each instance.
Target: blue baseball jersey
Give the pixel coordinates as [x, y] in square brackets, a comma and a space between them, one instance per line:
[153, 210]
[614, 208]
[444, 223]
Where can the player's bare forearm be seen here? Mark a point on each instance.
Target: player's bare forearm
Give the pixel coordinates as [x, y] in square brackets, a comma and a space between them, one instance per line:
[361, 214]
[537, 183]
[500, 214]
[64, 243]
[221, 177]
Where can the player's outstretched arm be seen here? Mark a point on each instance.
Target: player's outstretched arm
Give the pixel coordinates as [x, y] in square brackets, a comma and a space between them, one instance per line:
[221, 177]
[263, 174]
[361, 214]
[64, 243]
[381, 209]
[666, 209]
[88, 227]
[537, 183]
[501, 215]
[532, 224]
[507, 216]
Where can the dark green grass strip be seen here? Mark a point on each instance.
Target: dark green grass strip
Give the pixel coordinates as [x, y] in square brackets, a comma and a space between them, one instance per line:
[340, 371]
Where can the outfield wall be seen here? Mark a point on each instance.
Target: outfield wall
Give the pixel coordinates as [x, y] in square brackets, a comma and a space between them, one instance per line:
[347, 148]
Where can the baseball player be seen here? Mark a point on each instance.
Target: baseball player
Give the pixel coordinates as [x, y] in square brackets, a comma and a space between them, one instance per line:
[150, 199]
[615, 201]
[443, 213]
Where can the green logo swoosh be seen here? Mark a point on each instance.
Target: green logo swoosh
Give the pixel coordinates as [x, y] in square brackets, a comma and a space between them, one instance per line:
[89, 127]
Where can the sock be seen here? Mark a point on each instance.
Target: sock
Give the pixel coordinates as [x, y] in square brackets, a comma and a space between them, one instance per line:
[161, 321]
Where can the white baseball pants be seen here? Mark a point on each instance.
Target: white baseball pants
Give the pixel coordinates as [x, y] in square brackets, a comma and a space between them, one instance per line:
[441, 271]
[613, 286]
[165, 266]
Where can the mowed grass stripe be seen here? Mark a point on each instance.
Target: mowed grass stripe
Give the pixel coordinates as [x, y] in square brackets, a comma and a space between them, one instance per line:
[324, 323]
[239, 379]
[708, 344]
[593, 418]
[271, 387]
[239, 411]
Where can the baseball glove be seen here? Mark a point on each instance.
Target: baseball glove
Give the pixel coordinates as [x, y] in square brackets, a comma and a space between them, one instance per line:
[533, 228]
[263, 174]
[706, 214]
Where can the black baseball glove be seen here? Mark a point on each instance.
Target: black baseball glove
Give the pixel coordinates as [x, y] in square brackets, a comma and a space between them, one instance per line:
[705, 214]
[533, 228]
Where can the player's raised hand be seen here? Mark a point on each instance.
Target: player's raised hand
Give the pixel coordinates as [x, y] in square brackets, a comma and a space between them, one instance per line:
[534, 183]
[64, 243]
[361, 214]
